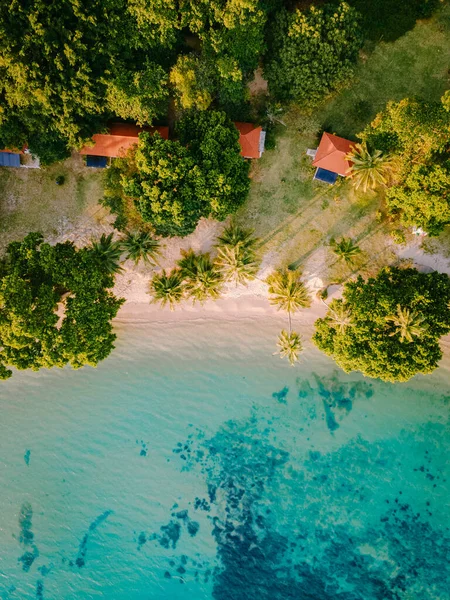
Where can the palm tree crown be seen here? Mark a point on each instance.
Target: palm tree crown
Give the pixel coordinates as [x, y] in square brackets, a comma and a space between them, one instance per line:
[108, 253]
[407, 323]
[339, 316]
[290, 345]
[141, 245]
[237, 264]
[288, 291]
[368, 169]
[202, 279]
[167, 288]
[233, 235]
[346, 250]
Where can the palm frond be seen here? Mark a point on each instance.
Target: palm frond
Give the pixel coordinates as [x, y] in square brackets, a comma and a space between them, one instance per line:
[141, 245]
[107, 253]
[237, 264]
[407, 324]
[290, 346]
[167, 288]
[369, 169]
[202, 278]
[287, 291]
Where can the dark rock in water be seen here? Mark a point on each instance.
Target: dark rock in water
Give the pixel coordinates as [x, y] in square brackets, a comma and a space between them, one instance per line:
[167, 575]
[27, 559]
[26, 457]
[171, 535]
[80, 561]
[40, 590]
[281, 395]
[142, 539]
[182, 514]
[193, 528]
[181, 570]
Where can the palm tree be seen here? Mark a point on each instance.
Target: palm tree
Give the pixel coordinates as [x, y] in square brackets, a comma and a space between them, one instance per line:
[108, 253]
[339, 316]
[233, 235]
[408, 323]
[167, 288]
[202, 279]
[237, 264]
[369, 169]
[141, 245]
[290, 345]
[346, 250]
[288, 292]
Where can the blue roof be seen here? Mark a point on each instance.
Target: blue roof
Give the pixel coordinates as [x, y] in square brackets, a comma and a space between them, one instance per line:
[325, 176]
[98, 162]
[9, 159]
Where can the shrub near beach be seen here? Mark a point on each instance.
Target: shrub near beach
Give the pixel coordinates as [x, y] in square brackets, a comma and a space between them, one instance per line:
[388, 326]
[55, 306]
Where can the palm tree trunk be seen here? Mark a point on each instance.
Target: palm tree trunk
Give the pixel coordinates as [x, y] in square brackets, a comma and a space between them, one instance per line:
[290, 323]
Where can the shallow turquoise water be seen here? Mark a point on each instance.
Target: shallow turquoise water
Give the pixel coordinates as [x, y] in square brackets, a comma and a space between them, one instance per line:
[194, 464]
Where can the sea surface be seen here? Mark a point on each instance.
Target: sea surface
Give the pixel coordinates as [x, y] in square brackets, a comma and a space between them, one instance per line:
[193, 464]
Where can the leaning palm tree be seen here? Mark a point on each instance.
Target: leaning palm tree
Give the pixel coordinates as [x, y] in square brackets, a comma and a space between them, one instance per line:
[233, 235]
[288, 292]
[237, 264]
[407, 324]
[368, 169]
[202, 279]
[167, 288]
[290, 345]
[339, 317]
[108, 253]
[141, 245]
[346, 250]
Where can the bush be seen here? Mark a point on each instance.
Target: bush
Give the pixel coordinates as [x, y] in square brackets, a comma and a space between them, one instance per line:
[312, 52]
[388, 326]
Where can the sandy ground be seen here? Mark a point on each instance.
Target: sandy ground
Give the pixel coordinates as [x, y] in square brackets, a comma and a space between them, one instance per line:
[237, 302]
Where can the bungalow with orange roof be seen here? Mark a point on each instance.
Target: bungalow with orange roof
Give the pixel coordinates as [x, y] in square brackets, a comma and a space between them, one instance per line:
[251, 138]
[120, 138]
[330, 158]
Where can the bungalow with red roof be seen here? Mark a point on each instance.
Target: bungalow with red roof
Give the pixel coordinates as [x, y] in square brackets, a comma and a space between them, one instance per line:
[120, 138]
[251, 139]
[330, 158]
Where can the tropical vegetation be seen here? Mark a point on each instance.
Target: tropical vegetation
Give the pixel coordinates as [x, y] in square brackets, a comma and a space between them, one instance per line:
[141, 245]
[237, 254]
[346, 250]
[55, 306]
[288, 292]
[369, 169]
[417, 134]
[171, 184]
[312, 51]
[388, 326]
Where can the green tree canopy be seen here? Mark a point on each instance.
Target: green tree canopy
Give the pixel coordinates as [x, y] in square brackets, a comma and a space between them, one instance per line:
[312, 51]
[66, 65]
[55, 307]
[423, 197]
[175, 183]
[388, 326]
[410, 128]
[417, 135]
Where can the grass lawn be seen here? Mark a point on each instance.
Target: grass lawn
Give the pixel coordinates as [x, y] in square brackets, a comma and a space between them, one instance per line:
[30, 200]
[296, 217]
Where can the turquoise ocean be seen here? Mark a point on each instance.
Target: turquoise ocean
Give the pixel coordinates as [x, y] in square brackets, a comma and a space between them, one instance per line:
[193, 464]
